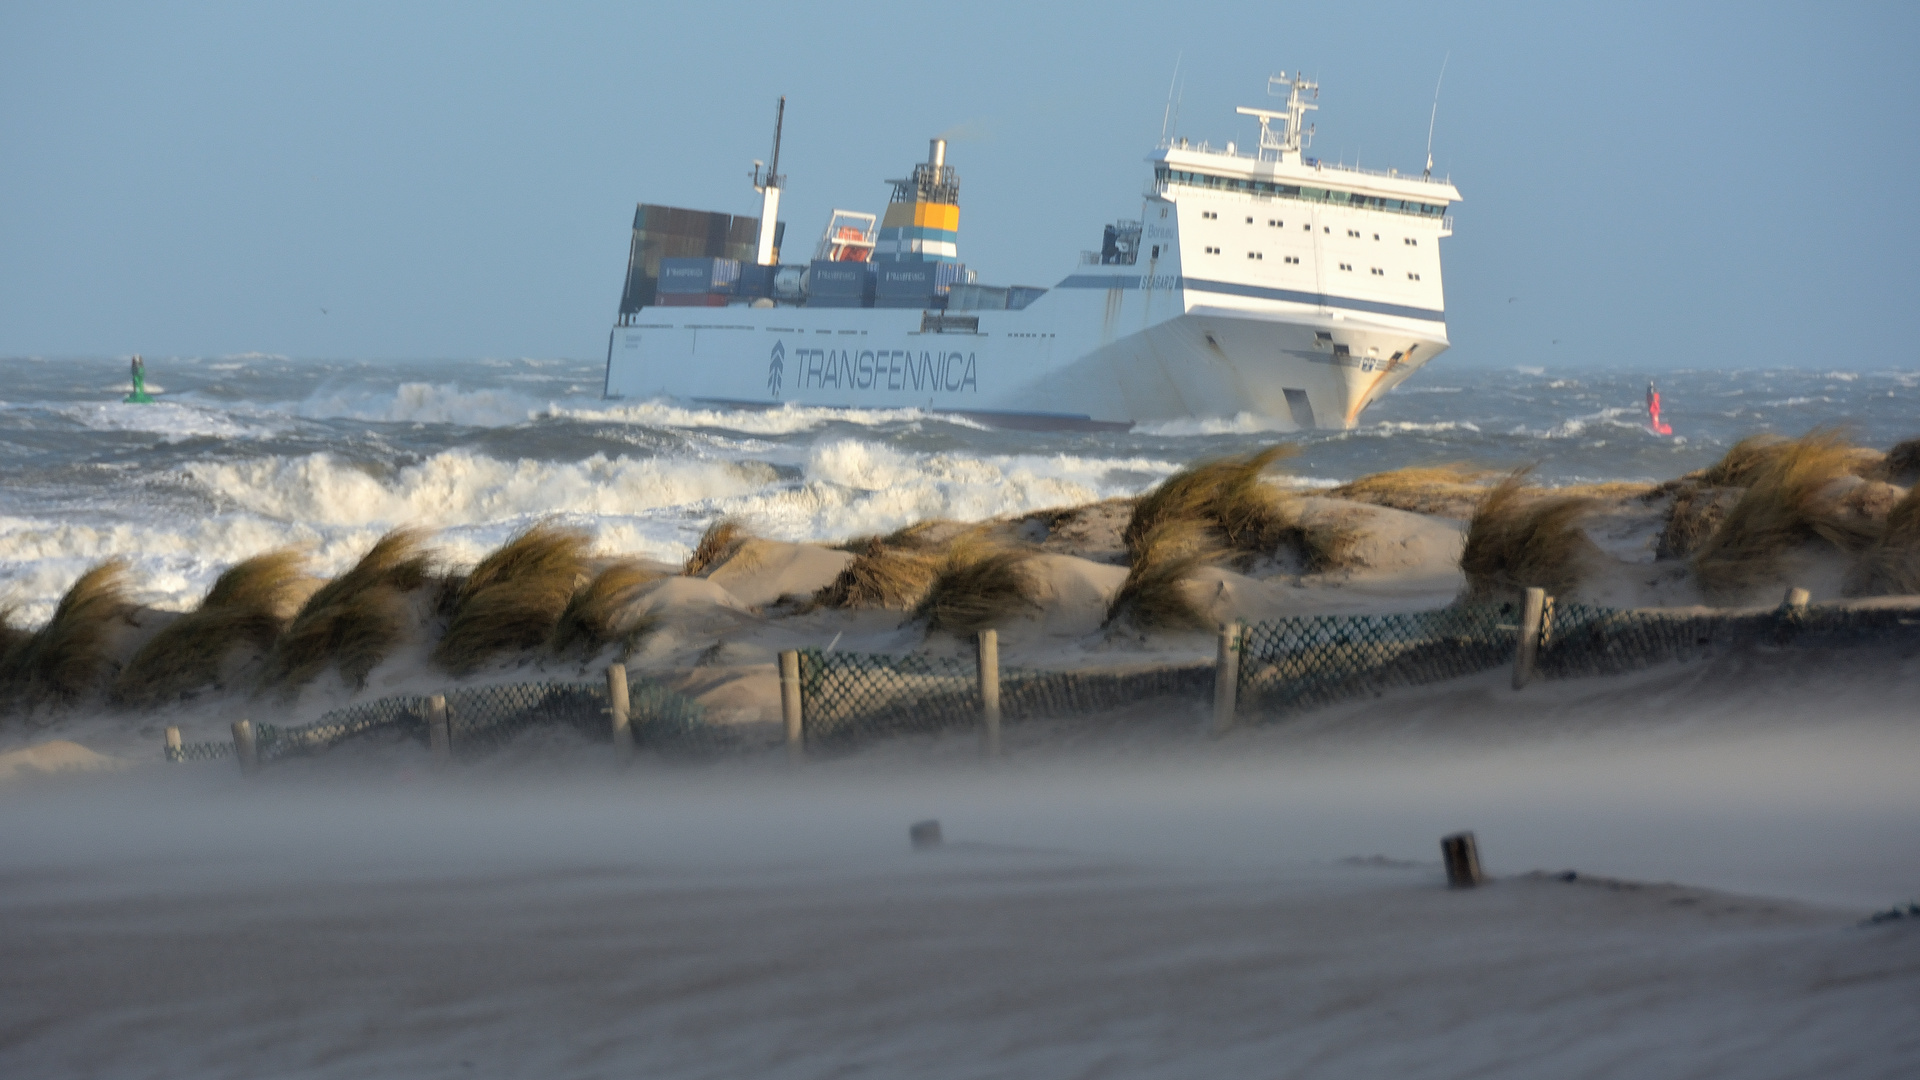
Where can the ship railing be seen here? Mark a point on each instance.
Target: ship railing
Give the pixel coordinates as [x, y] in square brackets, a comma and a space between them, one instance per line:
[1328, 166]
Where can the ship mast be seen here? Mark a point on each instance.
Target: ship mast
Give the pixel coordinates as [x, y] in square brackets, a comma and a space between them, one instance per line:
[769, 189]
[1287, 143]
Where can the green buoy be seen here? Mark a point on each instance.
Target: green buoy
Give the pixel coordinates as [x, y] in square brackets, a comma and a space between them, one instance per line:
[139, 395]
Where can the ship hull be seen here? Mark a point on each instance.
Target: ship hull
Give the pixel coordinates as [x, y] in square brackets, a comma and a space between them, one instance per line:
[1099, 350]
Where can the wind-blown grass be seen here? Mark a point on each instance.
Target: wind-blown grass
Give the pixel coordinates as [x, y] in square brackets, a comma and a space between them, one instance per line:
[248, 605]
[1450, 490]
[514, 597]
[596, 615]
[1519, 539]
[1155, 595]
[722, 538]
[66, 660]
[1227, 495]
[890, 572]
[1696, 512]
[980, 584]
[1902, 463]
[354, 621]
[1891, 567]
[1781, 510]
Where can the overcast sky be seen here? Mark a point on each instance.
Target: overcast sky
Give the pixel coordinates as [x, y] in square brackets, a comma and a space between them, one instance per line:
[1646, 185]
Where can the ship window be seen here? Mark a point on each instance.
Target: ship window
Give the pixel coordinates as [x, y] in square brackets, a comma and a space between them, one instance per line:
[1377, 272]
[1309, 228]
[1256, 255]
[1376, 236]
[1156, 251]
[1163, 211]
[1411, 242]
[1269, 188]
[1293, 259]
[1413, 277]
[1355, 233]
[1210, 215]
[1213, 251]
[1397, 356]
[1346, 266]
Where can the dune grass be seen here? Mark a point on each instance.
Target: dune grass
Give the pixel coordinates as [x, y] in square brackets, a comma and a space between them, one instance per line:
[1449, 490]
[1781, 510]
[248, 605]
[1902, 463]
[1891, 566]
[1743, 461]
[892, 572]
[1155, 595]
[354, 621]
[981, 583]
[1227, 495]
[596, 614]
[1696, 512]
[722, 538]
[66, 660]
[514, 597]
[1520, 538]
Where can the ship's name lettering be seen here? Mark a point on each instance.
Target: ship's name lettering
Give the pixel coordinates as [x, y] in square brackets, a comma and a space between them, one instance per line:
[894, 369]
[1159, 281]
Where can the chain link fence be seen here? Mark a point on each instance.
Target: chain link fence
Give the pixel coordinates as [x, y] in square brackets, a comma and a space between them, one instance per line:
[482, 719]
[1283, 666]
[847, 697]
[1579, 639]
[1310, 661]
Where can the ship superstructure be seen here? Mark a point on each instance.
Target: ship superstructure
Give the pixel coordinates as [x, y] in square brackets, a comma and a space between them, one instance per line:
[1260, 281]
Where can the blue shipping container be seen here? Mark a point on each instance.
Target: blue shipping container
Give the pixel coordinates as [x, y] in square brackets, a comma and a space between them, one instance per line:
[684, 276]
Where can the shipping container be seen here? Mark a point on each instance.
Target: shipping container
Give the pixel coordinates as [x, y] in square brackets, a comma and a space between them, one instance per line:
[839, 284]
[756, 281]
[682, 276]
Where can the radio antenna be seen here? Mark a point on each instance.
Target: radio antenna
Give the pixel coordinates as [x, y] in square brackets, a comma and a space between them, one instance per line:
[1167, 116]
[1435, 114]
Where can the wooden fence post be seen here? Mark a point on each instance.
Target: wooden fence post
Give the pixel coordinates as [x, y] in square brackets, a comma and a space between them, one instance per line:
[174, 752]
[1531, 613]
[1796, 602]
[1226, 679]
[244, 747]
[439, 730]
[790, 704]
[1462, 854]
[619, 711]
[988, 654]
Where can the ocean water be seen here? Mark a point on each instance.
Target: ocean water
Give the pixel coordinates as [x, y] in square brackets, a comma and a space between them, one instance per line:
[241, 454]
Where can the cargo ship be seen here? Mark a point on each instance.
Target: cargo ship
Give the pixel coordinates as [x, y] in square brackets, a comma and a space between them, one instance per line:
[1255, 281]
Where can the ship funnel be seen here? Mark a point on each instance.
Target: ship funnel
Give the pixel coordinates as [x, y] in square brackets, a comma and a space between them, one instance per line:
[936, 152]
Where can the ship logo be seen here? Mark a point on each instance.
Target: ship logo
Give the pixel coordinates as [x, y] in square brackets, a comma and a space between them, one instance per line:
[775, 368]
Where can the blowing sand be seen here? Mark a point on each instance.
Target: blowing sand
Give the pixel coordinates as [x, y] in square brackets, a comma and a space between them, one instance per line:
[1117, 898]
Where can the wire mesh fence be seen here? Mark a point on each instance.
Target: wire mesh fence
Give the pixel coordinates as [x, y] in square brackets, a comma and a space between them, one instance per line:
[1306, 662]
[1283, 666]
[847, 697]
[481, 719]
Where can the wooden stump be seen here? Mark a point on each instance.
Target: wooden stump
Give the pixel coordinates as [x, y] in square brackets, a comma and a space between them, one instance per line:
[244, 747]
[439, 730]
[619, 711]
[174, 752]
[1532, 612]
[1226, 679]
[790, 704]
[1462, 855]
[988, 654]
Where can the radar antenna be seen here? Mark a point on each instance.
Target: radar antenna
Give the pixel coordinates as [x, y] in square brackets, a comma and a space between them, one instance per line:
[1294, 135]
